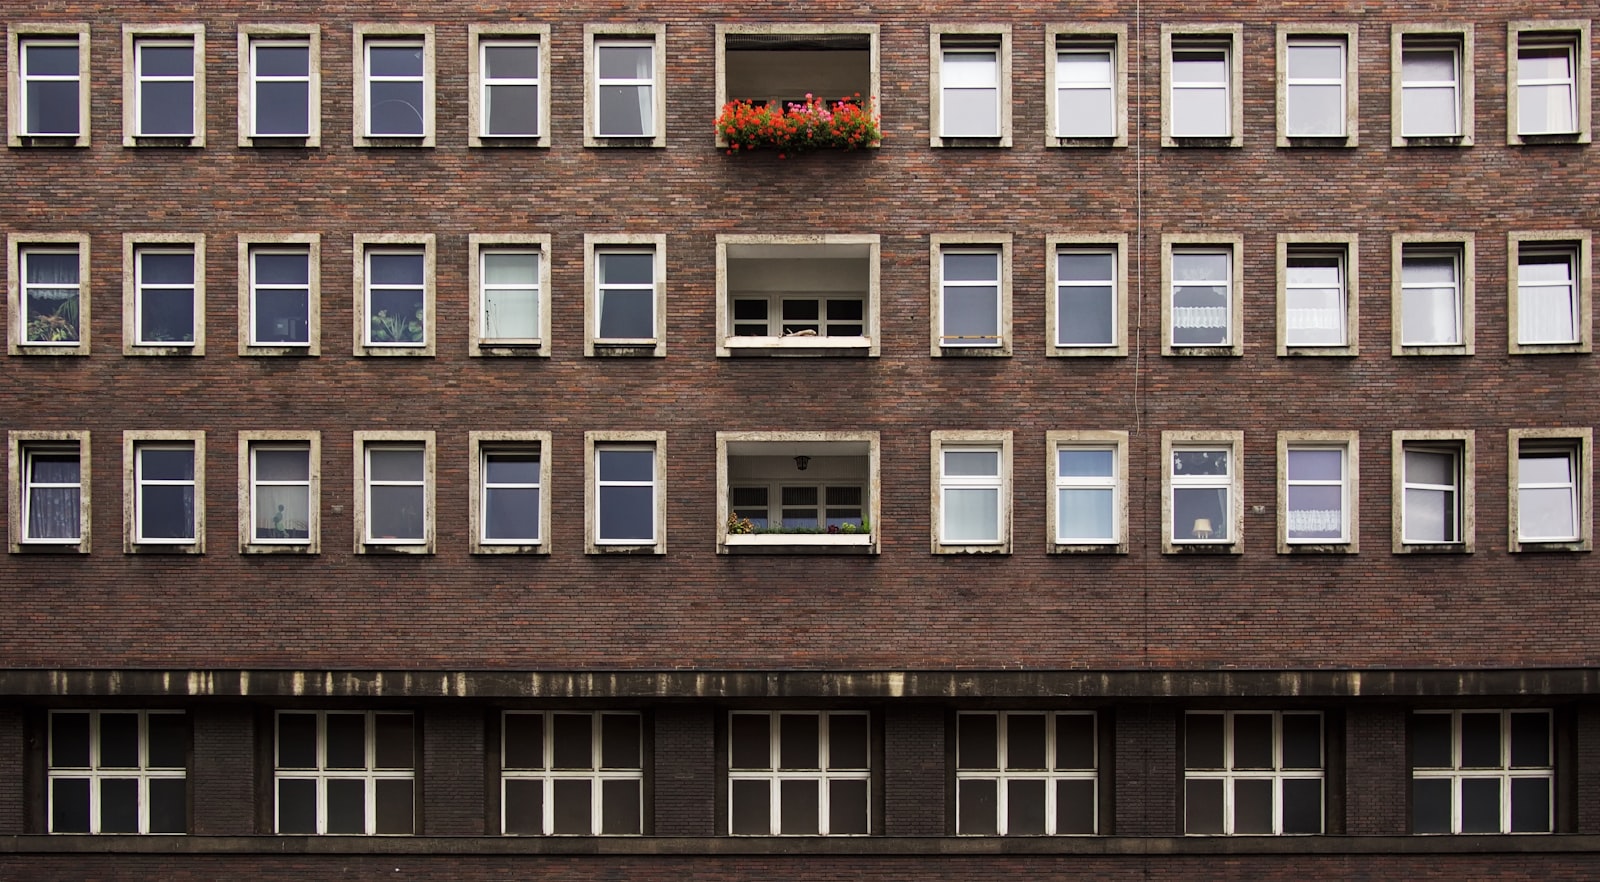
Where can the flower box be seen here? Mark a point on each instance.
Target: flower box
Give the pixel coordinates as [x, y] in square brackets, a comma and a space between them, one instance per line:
[798, 543]
[815, 125]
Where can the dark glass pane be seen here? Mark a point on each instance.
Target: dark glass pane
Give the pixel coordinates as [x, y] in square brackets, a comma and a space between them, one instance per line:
[977, 809]
[751, 814]
[168, 741]
[166, 512]
[1480, 805]
[512, 110]
[392, 741]
[166, 316]
[166, 268]
[1480, 741]
[396, 109]
[282, 317]
[168, 806]
[397, 512]
[627, 513]
[574, 807]
[297, 806]
[166, 61]
[1430, 741]
[1252, 741]
[524, 807]
[511, 468]
[53, 106]
[627, 314]
[347, 741]
[69, 741]
[1252, 806]
[626, 465]
[1430, 805]
[396, 60]
[50, 59]
[347, 806]
[1025, 737]
[847, 741]
[977, 741]
[627, 268]
[1025, 808]
[798, 736]
[166, 464]
[1202, 806]
[398, 268]
[619, 741]
[1530, 805]
[524, 741]
[119, 805]
[282, 60]
[847, 808]
[166, 108]
[297, 741]
[574, 741]
[799, 807]
[1302, 806]
[1302, 741]
[1530, 741]
[283, 269]
[119, 741]
[1075, 806]
[69, 805]
[516, 61]
[1075, 741]
[1085, 316]
[752, 743]
[394, 805]
[619, 808]
[1202, 741]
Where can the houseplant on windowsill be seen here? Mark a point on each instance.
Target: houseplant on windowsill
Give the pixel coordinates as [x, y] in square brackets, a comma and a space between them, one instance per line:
[743, 531]
[396, 328]
[817, 124]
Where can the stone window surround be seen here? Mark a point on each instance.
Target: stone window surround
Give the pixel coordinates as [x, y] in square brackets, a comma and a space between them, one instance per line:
[656, 36]
[1001, 34]
[591, 528]
[16, 245]
[1580, 442]
[1462, 244]
[251, 33]
[1349, 34]
[1118, 441]
[593, 243]
[1231, 34]
[1580, 244]
[478, 243]
[870, 31]
[1234, 245]
[1462, 441]
[478, 35]
[132, 35]
[996, 242]
[19, 441]
[132, 440]
[1346, 245]
[132, 243]
[20, 33]
[1118, 245]
[313, 442]
[873, 489]
[312, 243]
[1234, 442]
[1112, 34]
[398, 242]
[1459, 33]
[939, 440]
[800, 242]
[1350, 441]
[364, 439]
[482, 441]
[1578, 30]
[379, 33]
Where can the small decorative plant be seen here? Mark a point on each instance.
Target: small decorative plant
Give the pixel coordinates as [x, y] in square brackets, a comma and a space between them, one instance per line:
[817, 124]
[58, 326]
[738, 526]
[396, 328]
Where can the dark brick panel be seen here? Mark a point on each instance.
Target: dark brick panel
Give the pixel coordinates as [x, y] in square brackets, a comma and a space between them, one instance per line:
[685, 773]
[1147, 770]
[1377, 780]
[915, 780]
[452, 777]
[222, 780]
[12, 771]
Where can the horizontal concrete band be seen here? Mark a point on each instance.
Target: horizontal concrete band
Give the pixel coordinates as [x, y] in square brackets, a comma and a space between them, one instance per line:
[644, 685]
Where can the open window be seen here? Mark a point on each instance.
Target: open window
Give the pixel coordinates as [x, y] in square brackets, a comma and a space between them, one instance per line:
[1432, 491]
[780, 65]
[49, 491]
[797, 295]
[797, 492]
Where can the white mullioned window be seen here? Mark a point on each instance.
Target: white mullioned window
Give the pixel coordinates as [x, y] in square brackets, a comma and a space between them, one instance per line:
[1086, 297]
[118, 772]
[1202, 297]
[510, 500]
[509, 280]
[1252, 773]
[52, 295]
[970, 297]
[1432, 504]
[1316, 296]
[1026, 773]
[396, 88]
[165, 308]
[571, 773]
[280, 296]
[397, 493]
[1430, 297]
[799, 773]
[1482, 771]
[1315, 86]
[971, 490]
[280, 493]
[345, 772]
[165, 511]
[52, 493]
[1546, 85]
[969, 90]
[509, 96]
[396, 295]
[1202, 486]
[1316, 489]
[1547, 294]
[1430, 89]
[1202, 97]
[281, 81]
[52, 94]
[1086, 95]
[1548, 494]
[625, 494]
[625, 84]
[165, 94]
[1087, 495]
[625, 295]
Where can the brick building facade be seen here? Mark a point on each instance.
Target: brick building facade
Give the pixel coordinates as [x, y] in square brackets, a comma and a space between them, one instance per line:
[1166, 454]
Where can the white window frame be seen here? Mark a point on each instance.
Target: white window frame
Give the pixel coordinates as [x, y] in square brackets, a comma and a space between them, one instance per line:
[1345, 249]
[309, 244]
[942, 245]
[1115, 441]
[1572, 35]
[1117, 247]
[96, 774]
[133, 444]
[1232, 247]
[595, 37]
[1003, 775]
[779, 543]
[481, 344]
[135, 38]
[21, 446]
[480, 38]
[395, 243]
[485, 444]
[1453, 36]
[321, 775]
[18, 37]
[823, 776]
[1423, 245]
[1457, 443]
[1110, 38]
[804, 246]
[1322, 34]
[250, 37]
[1278, 774]
[992, 40]
[594, 245]
[1573, 245]
[366, 441]
[1505, 772]
[1577, 445]
[995, 442]
[18, 247]
[1225, 38]
[249, 443]
[369, 35]
[549, 774]
[134, 247]
[594, 443]
[1348, 444]
[1233, 483]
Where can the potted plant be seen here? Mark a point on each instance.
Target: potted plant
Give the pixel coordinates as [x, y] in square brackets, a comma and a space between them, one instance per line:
[816, 124]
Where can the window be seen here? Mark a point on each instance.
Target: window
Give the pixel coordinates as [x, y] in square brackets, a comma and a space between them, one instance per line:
[797, 492]
[1201, 105]
[48, 290]
[1023, 773]
[510, 288]
[1550, 294]
[280, 85]
[49, 498]
[1431, 67]
[1252, 773]
[280, 476]
[394, 295]
[971, 76]
[625, 492]
[1089, 315]
[510, 475]
[799, 773]
[971, 492]
[49, 88]
[1434, 293]
[394, 85]
[280, 295]
[394, 492]
[509, 68]
[1087, 509]
[971, 295]
[780, 65]
[1317, 85]
[1482, 771]
[165, 486]
[1202, 295]
[1202, 495]
[164, 298]
[1547, 89]
[163, 85]
[345, 772]
[1317, 311]
[1086, 72]
[1551, 508]
[626, 105]
[1433, 488]
[1317, 491]
[569, 773]
[119, 772]
[797, 295]
[626, 276]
